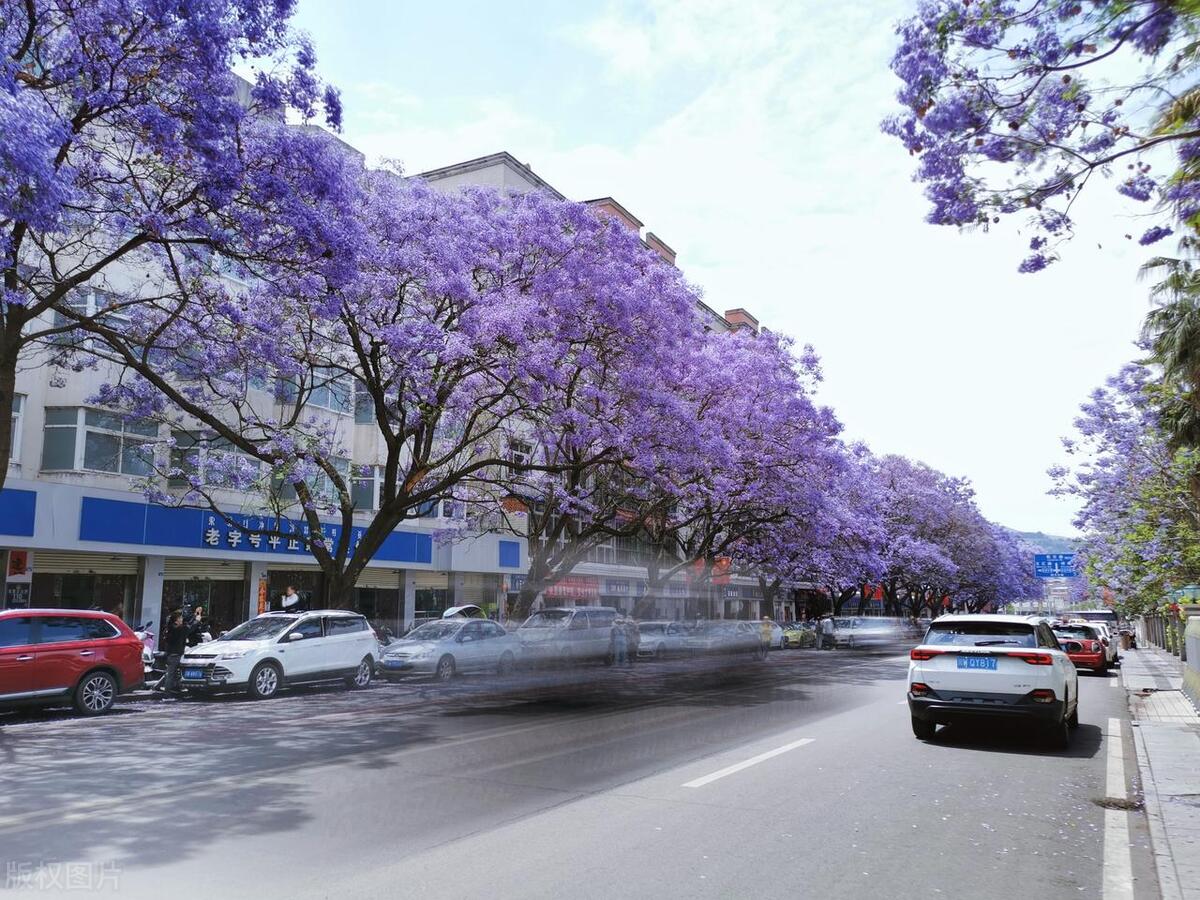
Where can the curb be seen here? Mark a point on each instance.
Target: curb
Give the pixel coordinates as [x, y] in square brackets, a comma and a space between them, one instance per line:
[1169, 887]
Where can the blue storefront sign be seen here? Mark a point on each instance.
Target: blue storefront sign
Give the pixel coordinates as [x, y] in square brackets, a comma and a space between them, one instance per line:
[119, 521]
[1054, 565]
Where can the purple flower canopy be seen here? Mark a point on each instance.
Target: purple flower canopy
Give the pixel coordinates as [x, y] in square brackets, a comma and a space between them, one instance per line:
[1001, 112]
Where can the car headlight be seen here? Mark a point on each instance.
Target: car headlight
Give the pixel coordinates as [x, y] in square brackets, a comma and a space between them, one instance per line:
[233, 654]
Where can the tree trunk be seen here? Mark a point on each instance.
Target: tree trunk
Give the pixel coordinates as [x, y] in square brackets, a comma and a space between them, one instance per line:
[8, 389]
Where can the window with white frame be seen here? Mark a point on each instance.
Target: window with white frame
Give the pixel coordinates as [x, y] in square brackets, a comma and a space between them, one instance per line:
[206, 458]
[321, 485]
[328, 389]
[18, 414]
[93, 302]
[81, 439]
[364, 489]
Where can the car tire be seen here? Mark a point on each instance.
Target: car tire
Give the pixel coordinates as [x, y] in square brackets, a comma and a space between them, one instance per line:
[1059, 736]
[362, 675]
[660, 651]
[265, 681]
[95, 693]
[506, 665]
[1073, 719]
[922, 730]
[850, 642]
[445, 669]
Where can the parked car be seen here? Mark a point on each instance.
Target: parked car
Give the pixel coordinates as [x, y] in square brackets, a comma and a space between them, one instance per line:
[796, 635]
[726, 637]
[1112, 651]
[451, 647]
[1092, 654]
[566, 636]
[280, 648]
[843, 628]
[991, 666]
[871, 631]
[661, 639]
[50, 657]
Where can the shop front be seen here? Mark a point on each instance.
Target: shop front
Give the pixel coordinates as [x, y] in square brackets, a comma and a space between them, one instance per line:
[68, 580]
[218, 586]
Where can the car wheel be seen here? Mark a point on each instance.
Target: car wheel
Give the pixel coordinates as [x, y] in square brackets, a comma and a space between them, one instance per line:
[95, 693]
[362, 675]
[1073, 719]
[506, 665]
[922, 730]
[1059, 736]
[265, 681]
[850, 643]
[445, 668]
[660, 651]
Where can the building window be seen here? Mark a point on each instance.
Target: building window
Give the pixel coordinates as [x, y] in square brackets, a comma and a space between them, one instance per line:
[14, 452]
[321, 485]
[364, 406]
[362, 490]
[101, 305]
[78, 438]
[328, 389]
[203, 459]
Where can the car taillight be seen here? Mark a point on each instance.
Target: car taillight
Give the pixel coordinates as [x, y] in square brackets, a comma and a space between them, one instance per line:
[1034, 659]
[919, 654]
[919, 689]
[1042, 695]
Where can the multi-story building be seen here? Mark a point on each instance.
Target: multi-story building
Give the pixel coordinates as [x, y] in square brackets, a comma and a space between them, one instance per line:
[75, 532]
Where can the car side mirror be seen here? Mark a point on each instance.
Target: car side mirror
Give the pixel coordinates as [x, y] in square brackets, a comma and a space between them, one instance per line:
[295, 636]
[1072, 646]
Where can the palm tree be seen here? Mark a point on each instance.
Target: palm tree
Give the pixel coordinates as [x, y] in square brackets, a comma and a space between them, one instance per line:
[1171, 332]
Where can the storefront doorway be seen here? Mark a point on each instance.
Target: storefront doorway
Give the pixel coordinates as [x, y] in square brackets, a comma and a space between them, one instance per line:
[224, 602]
[309, 584]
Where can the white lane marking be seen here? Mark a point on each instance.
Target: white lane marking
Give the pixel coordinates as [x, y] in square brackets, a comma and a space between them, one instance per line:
[1118, 867]
[747, 763]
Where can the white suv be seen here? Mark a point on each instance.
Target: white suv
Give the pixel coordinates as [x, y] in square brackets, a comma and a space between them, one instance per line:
[278, 648]
[975, 666]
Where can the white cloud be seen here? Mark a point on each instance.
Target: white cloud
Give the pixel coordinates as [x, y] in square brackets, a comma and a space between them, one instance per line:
[773, 182]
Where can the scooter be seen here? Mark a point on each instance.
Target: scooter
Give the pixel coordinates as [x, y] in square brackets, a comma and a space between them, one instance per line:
[147, 637]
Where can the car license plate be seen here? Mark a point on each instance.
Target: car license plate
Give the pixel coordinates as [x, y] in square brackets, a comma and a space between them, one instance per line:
[193, 674]
[977, 662]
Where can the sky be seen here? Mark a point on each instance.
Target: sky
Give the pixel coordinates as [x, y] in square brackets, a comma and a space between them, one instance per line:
[745, 134]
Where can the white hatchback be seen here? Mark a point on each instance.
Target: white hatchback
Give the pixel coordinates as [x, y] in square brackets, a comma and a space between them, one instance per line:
[277, 648]
[972, 667]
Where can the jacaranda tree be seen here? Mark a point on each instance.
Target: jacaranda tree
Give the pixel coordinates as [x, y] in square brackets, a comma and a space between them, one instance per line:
[125, 139]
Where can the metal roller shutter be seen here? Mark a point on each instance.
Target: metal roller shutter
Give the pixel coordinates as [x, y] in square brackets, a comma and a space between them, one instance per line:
[379, 578]
[213, 569]
[66, 562]
[425, 580]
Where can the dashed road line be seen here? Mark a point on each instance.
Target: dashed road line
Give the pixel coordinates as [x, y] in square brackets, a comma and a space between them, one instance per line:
[746, 763]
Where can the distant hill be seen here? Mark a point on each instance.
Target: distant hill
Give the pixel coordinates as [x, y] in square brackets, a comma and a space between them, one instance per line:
[1046, 543]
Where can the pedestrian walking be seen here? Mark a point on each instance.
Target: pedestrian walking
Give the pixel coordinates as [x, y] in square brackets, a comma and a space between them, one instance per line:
[619, 649]
[827, 633]
[174, 644]
[766, 629]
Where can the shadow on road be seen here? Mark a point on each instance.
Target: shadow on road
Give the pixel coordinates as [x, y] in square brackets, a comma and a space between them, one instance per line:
[999, 737]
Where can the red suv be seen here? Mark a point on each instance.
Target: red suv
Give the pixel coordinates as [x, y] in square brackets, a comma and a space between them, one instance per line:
[52, 656]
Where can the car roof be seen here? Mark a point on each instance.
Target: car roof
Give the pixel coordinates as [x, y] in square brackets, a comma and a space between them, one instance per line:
[989, 617]
[284, 614]
[46, 611]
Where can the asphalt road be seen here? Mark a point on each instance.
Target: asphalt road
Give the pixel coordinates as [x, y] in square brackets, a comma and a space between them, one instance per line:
[798, 777]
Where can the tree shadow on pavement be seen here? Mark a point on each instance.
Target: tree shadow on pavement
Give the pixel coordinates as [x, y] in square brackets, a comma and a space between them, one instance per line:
[999, 737]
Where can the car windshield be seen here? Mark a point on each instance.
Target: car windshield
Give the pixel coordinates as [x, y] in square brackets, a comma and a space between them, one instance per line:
[1075, 631]
[547, 618]
[435, 631]
[258, 629]
[843, 623]
[981, 634]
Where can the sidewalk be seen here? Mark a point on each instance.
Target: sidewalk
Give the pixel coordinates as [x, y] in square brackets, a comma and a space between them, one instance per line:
[1167, 736]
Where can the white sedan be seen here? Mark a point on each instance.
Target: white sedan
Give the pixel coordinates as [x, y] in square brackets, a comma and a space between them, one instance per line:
[993, 667]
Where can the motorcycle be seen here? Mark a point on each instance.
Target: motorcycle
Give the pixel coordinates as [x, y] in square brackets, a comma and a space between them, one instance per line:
[147, 637]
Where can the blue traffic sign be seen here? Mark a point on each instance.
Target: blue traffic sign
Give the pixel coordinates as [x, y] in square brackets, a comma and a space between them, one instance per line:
[1054, 565]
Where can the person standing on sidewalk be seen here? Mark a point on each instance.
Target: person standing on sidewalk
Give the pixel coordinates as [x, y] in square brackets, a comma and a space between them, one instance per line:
[827, 633]
[174, 645]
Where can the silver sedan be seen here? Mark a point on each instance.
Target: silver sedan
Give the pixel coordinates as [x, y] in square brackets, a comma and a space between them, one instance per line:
[450, 647]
